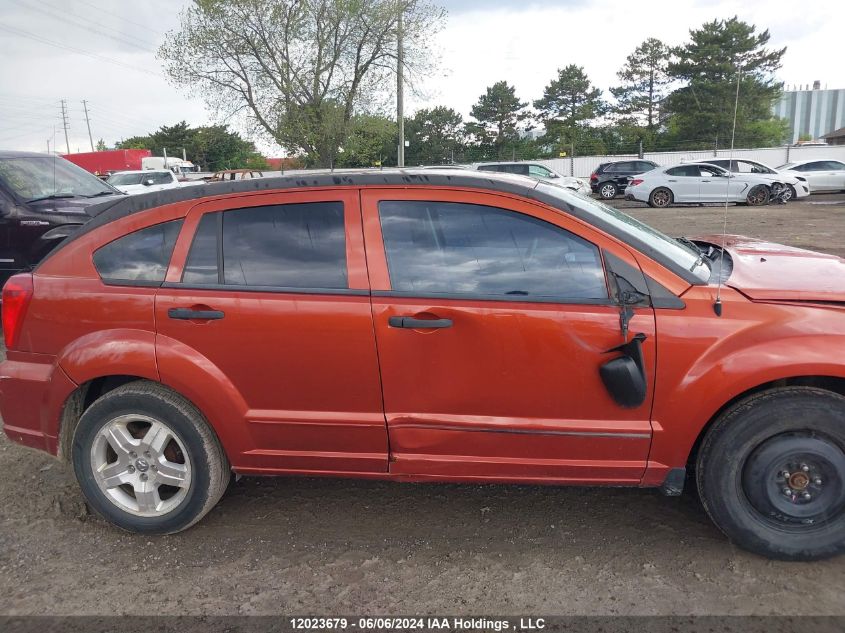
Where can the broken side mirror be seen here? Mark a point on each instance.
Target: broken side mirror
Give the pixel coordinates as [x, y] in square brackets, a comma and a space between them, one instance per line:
[624, 376]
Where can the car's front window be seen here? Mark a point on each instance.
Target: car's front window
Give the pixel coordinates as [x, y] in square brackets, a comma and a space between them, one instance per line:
[34, 178]
[642, 234]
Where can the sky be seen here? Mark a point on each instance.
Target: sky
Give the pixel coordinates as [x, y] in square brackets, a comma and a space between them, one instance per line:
[103, 52]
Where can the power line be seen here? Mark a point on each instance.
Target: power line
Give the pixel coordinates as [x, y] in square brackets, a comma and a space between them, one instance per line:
[102, 58]
[120, 17]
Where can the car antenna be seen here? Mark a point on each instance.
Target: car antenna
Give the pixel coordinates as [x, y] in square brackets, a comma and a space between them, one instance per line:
[717, 307]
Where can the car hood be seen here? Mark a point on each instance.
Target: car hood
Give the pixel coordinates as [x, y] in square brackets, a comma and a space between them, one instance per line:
[69, 206]
[768, 271]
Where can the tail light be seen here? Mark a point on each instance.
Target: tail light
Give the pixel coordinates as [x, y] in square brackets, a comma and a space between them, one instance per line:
[593, 177]
[635, 182]
[16, 295]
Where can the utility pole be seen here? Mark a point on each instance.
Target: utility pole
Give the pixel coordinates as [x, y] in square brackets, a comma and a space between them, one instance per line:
[400, 88]
[88, 123]
[64, 124]
[48, 146]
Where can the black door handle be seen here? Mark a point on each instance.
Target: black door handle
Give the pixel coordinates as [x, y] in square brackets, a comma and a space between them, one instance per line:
[418, 324]
[187, 314]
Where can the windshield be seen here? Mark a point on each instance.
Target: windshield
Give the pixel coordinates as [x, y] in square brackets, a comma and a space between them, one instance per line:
[37, 177]
[125, 179]
[684, 256]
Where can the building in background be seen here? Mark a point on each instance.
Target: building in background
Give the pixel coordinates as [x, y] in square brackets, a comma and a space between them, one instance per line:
[837, 137]
[812, 112]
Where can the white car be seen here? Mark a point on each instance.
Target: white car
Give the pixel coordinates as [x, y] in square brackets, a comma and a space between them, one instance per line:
[143, 181]
[697, 182]
[536, 170]
[796, 185]
[822, 175]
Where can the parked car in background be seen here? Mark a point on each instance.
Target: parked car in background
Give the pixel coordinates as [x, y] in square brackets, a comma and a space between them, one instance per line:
[536, 170]
[796, 185]
[698, 183]
[610, 179]
[415, 325]
[143, 181]
[822, 175]
[42, 199]
[235, 174]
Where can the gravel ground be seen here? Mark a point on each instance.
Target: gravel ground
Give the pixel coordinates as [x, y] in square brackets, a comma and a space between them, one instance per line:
[330, 546]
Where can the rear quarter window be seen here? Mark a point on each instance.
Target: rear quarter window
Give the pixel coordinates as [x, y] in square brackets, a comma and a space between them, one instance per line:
[141, 257]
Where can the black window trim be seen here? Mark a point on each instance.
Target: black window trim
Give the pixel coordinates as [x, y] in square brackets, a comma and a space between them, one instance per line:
[265, 289]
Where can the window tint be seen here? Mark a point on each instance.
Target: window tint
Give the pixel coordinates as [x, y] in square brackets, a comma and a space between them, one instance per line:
[140, 256]
[160, 178]
[684, 170]
[833, 165]
[201, 265]
[816, 166]
[644, 166]
[447, 247]
[290, 245]
[488, 168]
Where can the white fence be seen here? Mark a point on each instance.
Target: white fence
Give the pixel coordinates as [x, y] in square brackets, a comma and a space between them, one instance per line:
[583, 166]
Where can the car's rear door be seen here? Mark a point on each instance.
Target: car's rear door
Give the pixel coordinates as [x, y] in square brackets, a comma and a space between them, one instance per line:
[685, 183]
[269, 294]
[492, 317]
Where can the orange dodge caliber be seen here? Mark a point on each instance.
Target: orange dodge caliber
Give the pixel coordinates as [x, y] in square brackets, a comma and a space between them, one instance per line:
[430, 326]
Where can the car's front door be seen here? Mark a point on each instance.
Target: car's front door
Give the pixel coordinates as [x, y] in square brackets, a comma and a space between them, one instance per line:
[492, 318]
[715, 184]
[269, 293]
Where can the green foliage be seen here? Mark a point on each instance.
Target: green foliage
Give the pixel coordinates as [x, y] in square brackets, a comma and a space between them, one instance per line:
[213, 147]
[644, 81]
[702, 110]
[436, 137]
[569, 102]
[298, 71]
[498, 114]
[101, 146]
[370, 142]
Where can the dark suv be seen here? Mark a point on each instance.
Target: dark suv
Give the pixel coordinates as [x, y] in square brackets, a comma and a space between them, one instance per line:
[610, 179]
[42, 199]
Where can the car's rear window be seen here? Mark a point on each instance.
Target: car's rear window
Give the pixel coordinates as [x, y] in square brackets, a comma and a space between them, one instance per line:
[283, 246]
[141, 257]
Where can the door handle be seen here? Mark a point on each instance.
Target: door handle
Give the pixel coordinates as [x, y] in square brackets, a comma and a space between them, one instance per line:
[705, 180]
[670, 180]
[412, 323]
[189, 314]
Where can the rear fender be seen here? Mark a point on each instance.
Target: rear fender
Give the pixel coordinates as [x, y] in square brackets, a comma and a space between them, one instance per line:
[110, 353]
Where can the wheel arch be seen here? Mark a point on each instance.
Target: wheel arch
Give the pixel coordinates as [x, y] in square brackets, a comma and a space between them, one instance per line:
[834, 384]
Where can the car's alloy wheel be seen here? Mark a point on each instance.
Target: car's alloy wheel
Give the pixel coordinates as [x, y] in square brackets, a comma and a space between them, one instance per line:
[789, 193]
[608, 191]
[147, 460]
[661, 197]
[141, 465]
[759, 195]
[771, 473]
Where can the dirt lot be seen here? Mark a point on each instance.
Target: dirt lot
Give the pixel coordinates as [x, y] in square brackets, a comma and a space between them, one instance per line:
[327, 546]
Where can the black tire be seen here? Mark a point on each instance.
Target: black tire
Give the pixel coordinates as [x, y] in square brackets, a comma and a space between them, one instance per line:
[771, 473]
[758, 195]
[608, 190]
[208, 467]
[661, 198]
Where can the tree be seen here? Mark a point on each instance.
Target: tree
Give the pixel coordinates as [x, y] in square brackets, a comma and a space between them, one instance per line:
[702, 111]
[497, 115]
[568, 103]
[644, 80]
[298, 70]
[435, 136]
[371, 142]
[101, 146]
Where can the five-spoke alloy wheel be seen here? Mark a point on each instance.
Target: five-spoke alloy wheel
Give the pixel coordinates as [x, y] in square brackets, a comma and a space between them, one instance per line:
[147, 460]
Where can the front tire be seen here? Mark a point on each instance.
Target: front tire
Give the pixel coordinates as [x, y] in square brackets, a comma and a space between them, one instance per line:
[608, 190]
[758, 196]
[660, 198]
[147, 461]
[771, 473]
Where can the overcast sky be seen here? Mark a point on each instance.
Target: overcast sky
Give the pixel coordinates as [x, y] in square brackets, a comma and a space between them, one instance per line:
[103, 51]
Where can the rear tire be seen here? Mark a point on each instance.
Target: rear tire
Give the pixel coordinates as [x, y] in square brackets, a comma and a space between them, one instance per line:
[608, 190]
[147, 461]
[661, 198]
[771, 473]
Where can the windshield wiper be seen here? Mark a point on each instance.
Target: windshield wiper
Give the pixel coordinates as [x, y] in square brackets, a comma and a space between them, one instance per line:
[104, 193]
[702, 253]
[688, 242]
[53, 196]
